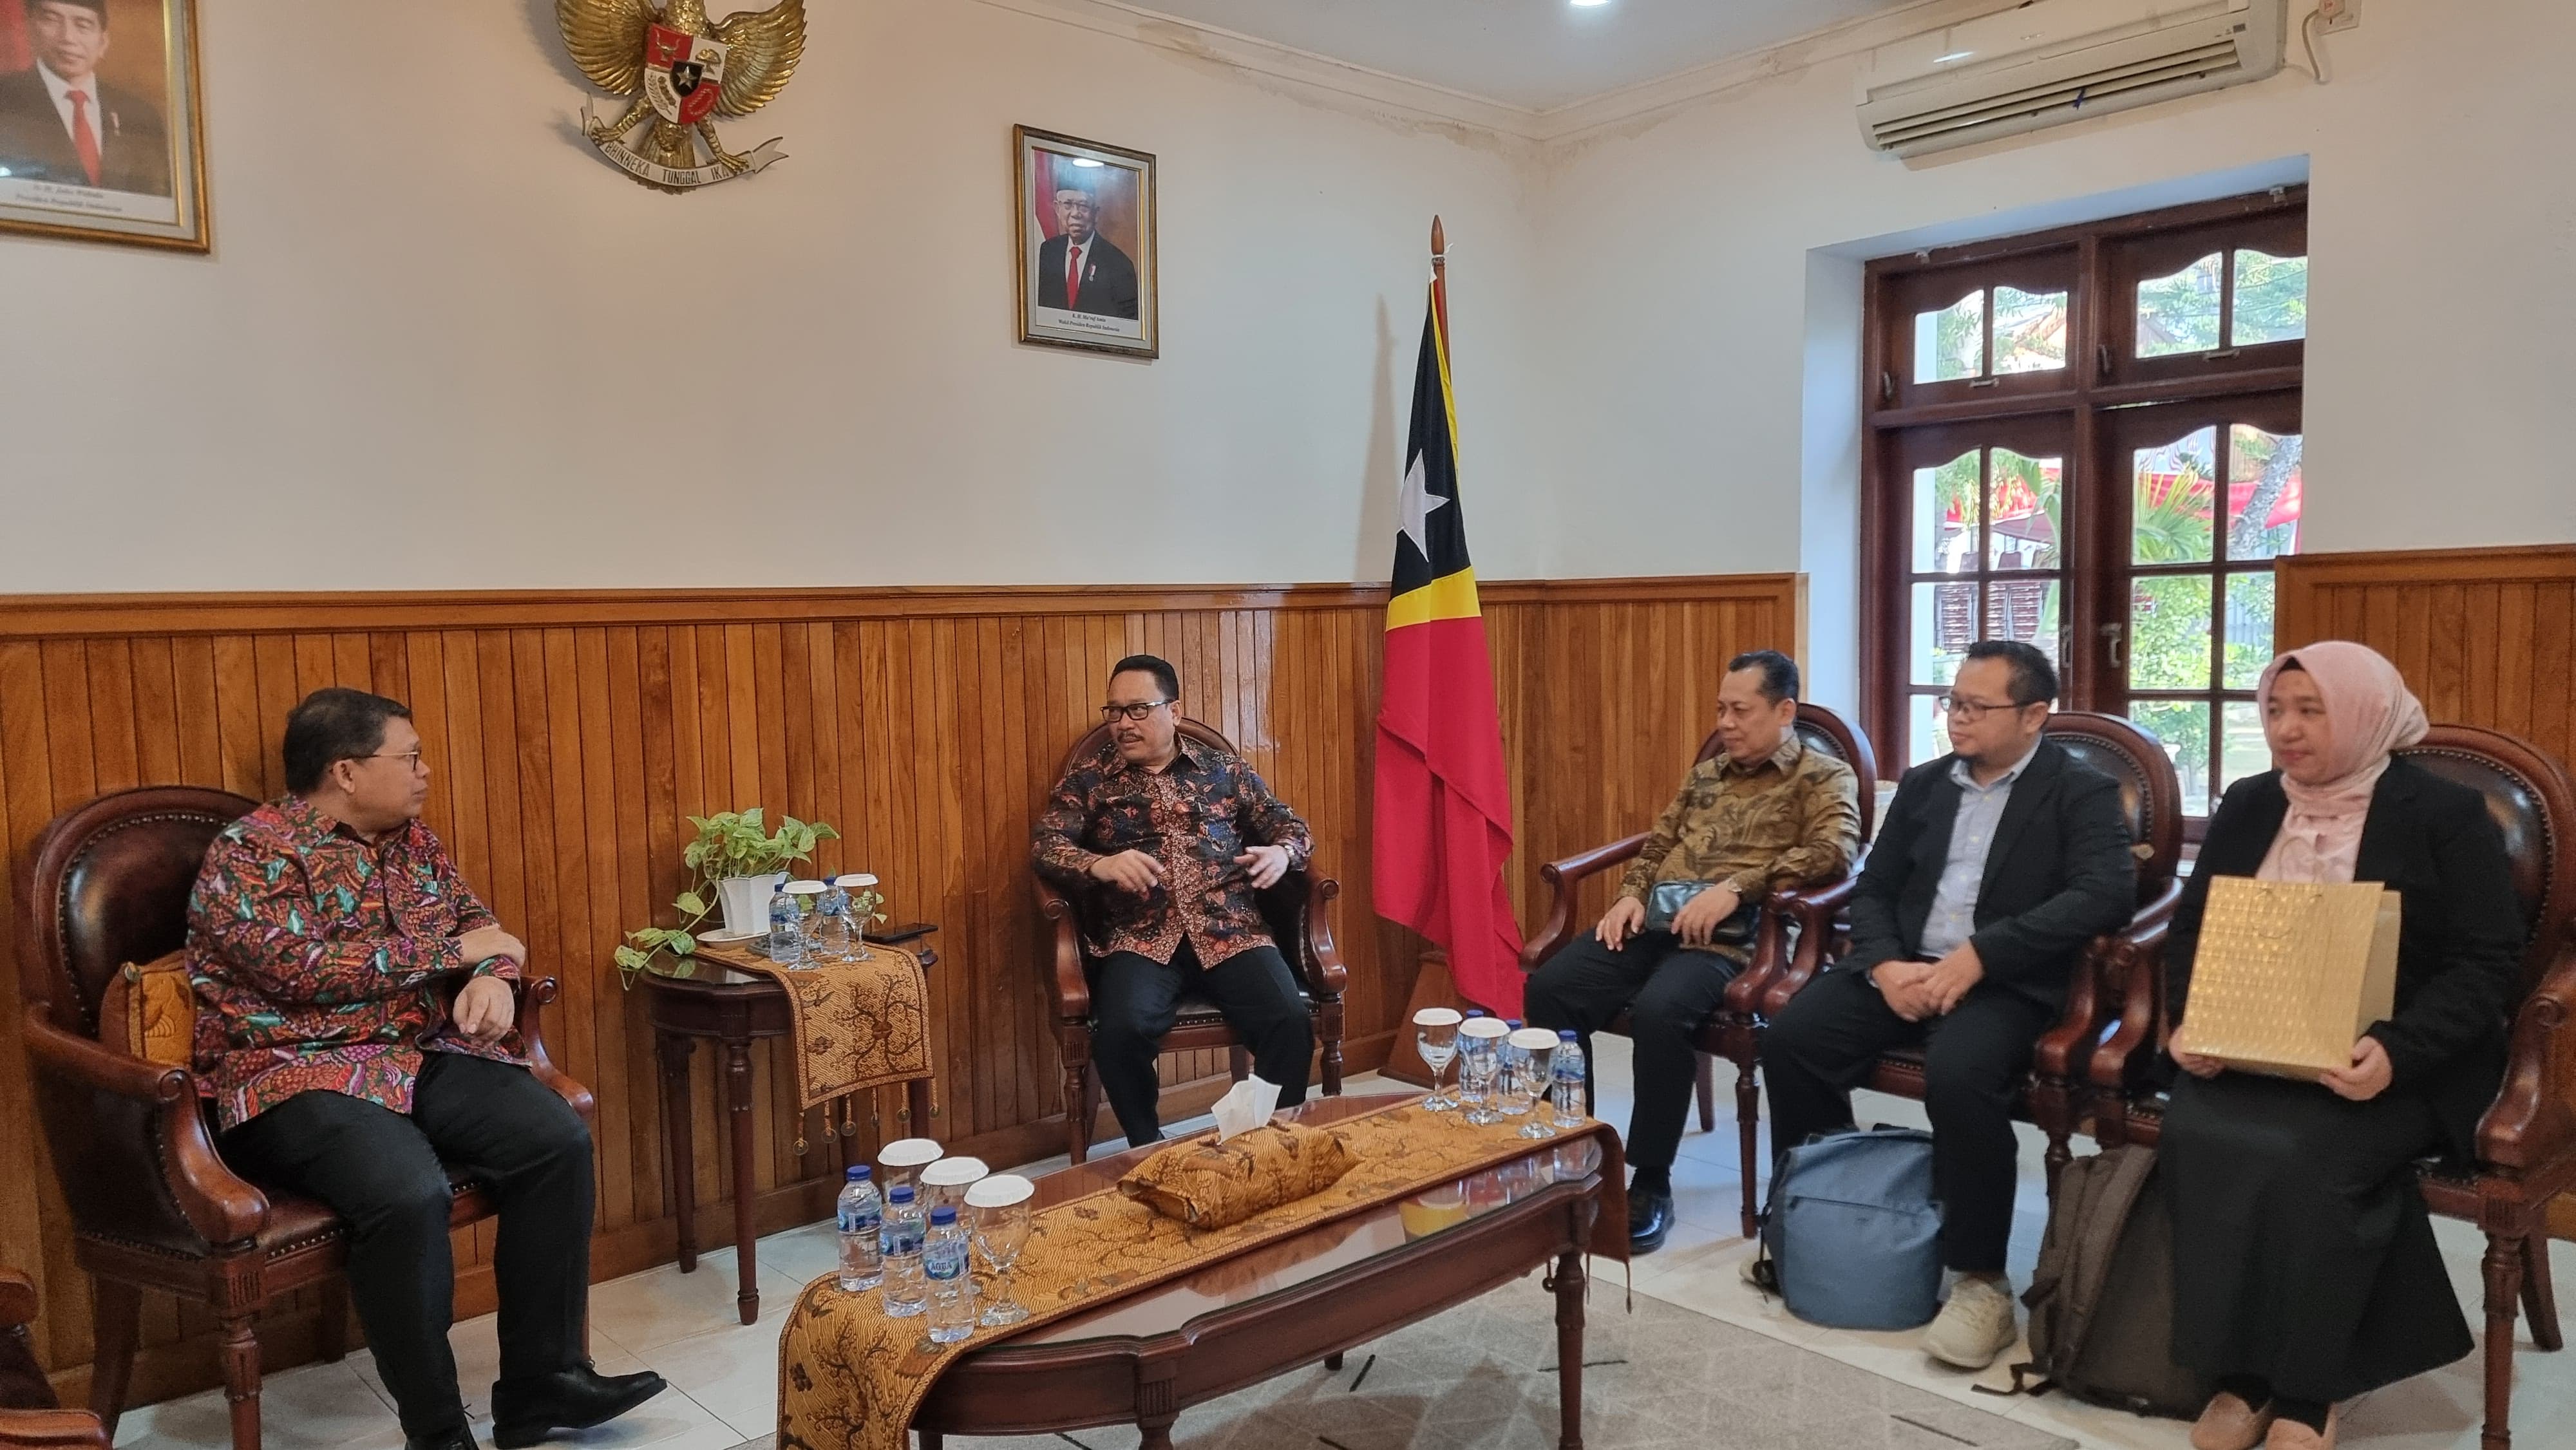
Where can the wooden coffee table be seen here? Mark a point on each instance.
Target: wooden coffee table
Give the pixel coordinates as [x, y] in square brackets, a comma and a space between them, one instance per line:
[1143, 1360]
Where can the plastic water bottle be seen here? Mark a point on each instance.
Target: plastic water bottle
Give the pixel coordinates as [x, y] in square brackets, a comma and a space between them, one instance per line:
[906, 1293]
[832, 926]
[1567, 1090]
[1507, 1077]
[862, 1216]
[786, 936]
[943, 1263]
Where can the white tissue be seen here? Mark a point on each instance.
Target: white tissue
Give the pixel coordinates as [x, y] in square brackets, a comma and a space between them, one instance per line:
[1245, 1107]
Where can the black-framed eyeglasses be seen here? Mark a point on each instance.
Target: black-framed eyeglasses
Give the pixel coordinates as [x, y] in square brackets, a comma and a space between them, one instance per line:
[1109, 713]
[409, 758]
[1967, 712]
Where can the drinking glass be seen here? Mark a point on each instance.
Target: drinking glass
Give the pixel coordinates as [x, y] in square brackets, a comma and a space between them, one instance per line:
[861, 889]
[1435, 1034]
[808, 896]
[1000, 1205]
[1479, 1041]
[1533, 1052]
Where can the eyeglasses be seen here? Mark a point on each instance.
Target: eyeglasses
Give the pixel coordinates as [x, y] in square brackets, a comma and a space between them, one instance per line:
[1109, 713]
[408, 757]
[1967, 712]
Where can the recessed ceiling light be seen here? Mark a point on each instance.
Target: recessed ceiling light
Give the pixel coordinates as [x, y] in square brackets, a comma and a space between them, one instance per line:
[1588, 4]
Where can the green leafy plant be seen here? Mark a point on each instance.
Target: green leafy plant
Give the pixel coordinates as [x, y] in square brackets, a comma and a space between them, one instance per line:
[729, 844]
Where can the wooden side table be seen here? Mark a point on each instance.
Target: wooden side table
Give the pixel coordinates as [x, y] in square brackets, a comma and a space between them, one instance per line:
[734, 1008]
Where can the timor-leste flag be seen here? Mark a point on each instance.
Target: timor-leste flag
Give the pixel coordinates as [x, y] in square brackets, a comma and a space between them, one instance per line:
[1444, 803]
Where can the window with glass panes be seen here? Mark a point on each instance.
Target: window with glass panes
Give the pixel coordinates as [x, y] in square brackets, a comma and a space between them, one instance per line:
[2089, 439]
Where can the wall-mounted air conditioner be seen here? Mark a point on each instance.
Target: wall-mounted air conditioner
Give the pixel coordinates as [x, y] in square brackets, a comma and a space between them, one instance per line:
[2053, 61]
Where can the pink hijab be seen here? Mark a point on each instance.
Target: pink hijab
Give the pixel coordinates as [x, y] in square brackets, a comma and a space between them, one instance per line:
[2373, 713]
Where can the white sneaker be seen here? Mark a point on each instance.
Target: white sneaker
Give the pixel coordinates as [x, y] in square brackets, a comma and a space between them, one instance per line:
[1974, 1326]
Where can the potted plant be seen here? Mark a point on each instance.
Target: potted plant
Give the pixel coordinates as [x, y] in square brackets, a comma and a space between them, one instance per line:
[737, 865]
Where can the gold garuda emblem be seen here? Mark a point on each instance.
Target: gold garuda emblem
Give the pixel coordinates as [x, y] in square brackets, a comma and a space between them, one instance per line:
[681, 74]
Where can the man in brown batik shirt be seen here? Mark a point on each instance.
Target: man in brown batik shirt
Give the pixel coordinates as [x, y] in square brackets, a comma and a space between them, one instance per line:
[1766, 814]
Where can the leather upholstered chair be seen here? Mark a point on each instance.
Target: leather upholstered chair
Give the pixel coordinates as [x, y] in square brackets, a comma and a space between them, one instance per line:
[1733, 1031]
[30, 1419]
[152, 1204]
[2526, 1153]
[1298, 911]
[2057, 1093]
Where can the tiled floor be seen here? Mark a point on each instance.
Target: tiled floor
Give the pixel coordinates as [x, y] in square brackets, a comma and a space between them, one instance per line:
[723, 1373]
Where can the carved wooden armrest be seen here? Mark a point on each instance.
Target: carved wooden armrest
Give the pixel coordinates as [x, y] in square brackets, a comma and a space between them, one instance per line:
[1818, 911]
[2061, 1054]
[534, 997]
[219, 1206]
[1562, 878]
[1069, 990]
[2532, 1121]
[1331, 976]
[2132, 973]
[51, 1430]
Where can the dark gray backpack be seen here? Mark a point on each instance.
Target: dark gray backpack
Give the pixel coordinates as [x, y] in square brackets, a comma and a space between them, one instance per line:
[2101, 1301]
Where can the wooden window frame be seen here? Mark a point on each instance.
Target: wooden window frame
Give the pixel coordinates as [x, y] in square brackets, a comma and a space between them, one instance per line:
[2102, 263]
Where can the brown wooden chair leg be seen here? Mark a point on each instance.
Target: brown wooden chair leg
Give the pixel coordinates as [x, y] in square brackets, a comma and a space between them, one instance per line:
[241, 1379]
[1077, 1110]
[1333, 1066]
[331, 1334]
[119, 1311]
[1707, 1093]
[2539, 1300]
[1748, 1134]
[1238, 1062]
[2503, 1265]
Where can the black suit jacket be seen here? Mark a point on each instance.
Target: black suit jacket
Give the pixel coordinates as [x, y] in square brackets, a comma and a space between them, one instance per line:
[1108, 279]
[2459, 955]
[133, 147]
[2058, 874]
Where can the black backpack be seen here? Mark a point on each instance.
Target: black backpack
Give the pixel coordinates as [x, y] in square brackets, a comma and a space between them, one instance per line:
[2101, 1301]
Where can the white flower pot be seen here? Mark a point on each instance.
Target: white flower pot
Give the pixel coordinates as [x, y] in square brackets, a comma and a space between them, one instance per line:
[746, 902]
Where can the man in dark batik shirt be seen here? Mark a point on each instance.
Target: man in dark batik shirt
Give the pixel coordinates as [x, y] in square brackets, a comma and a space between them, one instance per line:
[1170, 839]
[356, 1034]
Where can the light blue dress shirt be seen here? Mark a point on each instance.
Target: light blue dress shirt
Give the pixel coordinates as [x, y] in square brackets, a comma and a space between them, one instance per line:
[1972, 836]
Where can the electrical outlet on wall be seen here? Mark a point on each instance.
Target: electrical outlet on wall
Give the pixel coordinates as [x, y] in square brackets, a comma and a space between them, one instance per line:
[2334, 15]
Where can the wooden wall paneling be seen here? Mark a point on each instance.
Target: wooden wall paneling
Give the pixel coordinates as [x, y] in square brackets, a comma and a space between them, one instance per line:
[570, 735]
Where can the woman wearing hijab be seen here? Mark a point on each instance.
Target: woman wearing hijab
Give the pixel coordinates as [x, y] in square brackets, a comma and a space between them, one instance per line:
[2305, 1270]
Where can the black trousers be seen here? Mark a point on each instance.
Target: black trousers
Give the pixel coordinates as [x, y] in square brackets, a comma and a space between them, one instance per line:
[385, 1173]
[2302, 1251]
[1669, 990]
[1135, 999]
[1974, 1062]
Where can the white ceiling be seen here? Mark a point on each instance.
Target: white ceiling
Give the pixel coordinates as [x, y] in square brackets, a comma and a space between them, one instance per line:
[1536, 54]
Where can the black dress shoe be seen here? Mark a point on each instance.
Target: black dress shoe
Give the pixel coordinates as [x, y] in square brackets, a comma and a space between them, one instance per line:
[527, 1411]
[460, 1438]
[1650, 1217]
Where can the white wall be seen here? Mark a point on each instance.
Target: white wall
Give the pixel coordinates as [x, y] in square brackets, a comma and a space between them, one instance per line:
[2442, 224]
[441, 344]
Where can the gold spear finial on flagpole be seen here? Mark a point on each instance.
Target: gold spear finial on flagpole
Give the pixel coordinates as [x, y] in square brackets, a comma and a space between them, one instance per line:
[1440, 271]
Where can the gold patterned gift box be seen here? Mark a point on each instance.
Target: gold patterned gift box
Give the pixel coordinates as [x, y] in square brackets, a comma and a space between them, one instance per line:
[2290, 973]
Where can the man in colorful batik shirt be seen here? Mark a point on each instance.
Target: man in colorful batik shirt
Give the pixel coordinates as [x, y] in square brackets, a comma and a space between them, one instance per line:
[356, 1038]
[1170, 840]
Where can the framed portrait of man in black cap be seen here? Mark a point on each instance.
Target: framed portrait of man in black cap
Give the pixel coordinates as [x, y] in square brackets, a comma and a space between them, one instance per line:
[1085, 215]
[100, 137]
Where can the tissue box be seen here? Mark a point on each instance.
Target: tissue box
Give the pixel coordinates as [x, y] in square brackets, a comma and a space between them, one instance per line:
[2290, 973]
[1207, 1184]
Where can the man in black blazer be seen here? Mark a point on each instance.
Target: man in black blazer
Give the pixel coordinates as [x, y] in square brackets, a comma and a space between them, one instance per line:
[1097, 277]
[1996, 865]
[59, 122]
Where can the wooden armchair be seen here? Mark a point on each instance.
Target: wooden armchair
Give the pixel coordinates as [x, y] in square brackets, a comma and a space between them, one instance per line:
[152, 1204]
[2057, 1093]
[2526, 1153]
[1299, 912]
[1733, 1031]
[30, 1419]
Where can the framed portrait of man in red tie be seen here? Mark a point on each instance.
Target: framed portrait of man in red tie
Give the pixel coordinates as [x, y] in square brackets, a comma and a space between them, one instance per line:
[1085, 214]
[100, 137]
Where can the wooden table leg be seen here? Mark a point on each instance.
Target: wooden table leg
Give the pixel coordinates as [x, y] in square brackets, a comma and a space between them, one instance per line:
[1568, 1283]
[746, 1248]
[675, 1050]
